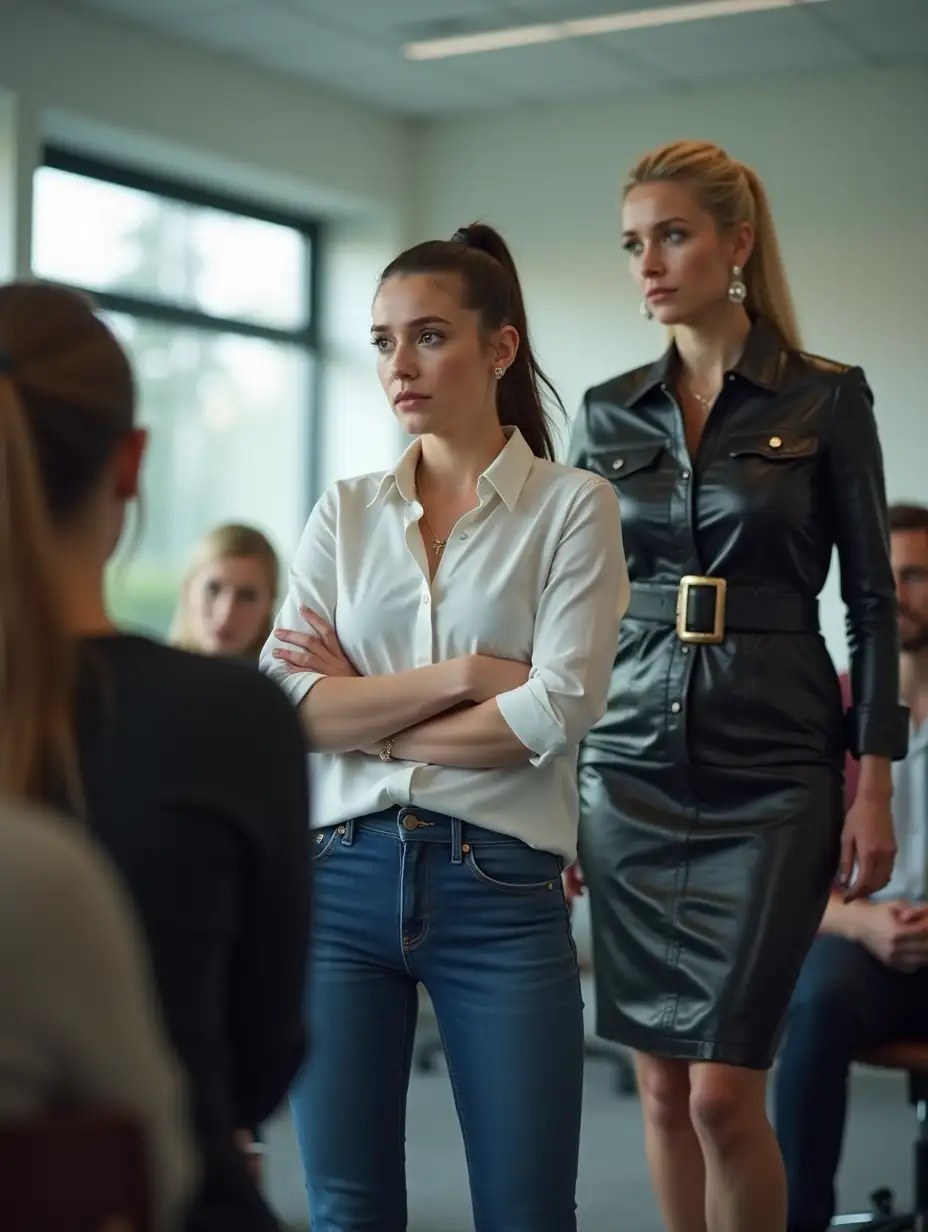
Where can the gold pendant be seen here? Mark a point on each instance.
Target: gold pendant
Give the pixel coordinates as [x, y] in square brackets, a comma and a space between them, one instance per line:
[439, 546]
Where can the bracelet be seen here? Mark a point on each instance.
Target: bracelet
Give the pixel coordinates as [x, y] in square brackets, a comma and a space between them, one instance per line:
[386, 751]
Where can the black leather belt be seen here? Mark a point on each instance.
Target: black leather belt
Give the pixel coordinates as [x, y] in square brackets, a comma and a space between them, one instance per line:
[704, 609]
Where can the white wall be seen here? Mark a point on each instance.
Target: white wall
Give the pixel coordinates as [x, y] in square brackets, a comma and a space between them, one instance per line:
[845, 160]
[120, 92]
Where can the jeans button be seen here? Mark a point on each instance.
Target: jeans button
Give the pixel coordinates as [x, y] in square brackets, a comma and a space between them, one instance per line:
[410, 821]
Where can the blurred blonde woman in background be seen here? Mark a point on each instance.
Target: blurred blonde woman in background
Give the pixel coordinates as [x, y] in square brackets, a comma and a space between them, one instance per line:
[226, 606]
[228, 593]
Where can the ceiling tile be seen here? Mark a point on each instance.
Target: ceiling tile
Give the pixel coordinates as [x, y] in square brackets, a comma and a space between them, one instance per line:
[561, 10]
[894, 29]
[782, 40]
[362, 69]
[164, 12]
[401, 19]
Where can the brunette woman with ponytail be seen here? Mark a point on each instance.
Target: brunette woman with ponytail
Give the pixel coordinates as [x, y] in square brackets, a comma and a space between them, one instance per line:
[189, 771]
[447, 639]
[713, 827]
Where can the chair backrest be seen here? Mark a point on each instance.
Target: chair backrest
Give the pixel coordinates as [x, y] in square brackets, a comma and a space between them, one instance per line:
[74, 1172]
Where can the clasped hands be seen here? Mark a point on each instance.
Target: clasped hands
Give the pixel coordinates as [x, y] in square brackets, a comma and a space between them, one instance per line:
[896, 933]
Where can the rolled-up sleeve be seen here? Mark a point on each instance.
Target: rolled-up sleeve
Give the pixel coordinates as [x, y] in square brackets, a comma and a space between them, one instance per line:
[576, 630]
[876, 723]
[312, 583]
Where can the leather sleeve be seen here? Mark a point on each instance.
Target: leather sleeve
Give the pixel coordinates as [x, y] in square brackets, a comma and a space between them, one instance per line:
[876, 723]
[578, 449]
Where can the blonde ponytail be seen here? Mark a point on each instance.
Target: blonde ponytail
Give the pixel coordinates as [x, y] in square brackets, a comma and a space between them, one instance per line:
[768, 290]
[37, 752]
[733, 194]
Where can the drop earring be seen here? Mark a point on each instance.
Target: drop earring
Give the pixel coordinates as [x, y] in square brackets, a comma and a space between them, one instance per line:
[499, 373]
[737, 291]
[645, 310]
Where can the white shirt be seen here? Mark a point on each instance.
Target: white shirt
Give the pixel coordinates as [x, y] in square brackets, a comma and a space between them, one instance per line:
[910, 821]
[536, 573]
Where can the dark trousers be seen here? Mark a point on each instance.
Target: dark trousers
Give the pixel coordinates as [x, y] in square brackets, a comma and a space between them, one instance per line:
[845, 1001]
[408, 896]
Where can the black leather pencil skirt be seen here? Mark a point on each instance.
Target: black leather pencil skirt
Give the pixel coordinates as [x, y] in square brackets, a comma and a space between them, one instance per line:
[707, 885]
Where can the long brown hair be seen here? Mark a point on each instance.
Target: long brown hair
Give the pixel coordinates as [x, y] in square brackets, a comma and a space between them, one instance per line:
[67, 398]
[480, 255]
[732, 193]
[229, 540]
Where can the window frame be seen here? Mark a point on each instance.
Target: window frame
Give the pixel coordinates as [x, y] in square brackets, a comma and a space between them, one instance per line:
[152, 308]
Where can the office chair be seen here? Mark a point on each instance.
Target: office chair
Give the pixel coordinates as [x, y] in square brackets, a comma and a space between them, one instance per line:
[912, 1057]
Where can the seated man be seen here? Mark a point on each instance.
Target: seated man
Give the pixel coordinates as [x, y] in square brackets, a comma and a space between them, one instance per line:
[865, 981]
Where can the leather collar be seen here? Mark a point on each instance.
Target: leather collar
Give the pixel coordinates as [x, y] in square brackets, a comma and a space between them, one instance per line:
[762, 363]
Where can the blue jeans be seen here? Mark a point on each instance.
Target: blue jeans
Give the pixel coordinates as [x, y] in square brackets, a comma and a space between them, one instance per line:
[845, 1001]
[409, 896]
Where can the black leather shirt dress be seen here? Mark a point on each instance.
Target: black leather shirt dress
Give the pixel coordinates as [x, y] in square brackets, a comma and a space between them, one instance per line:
[711, 790]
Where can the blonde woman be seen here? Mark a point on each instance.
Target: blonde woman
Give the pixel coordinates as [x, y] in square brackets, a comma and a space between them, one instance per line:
[228, 594]
[712, 810]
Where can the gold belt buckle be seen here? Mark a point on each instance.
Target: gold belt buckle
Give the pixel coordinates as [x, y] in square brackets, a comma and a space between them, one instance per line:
[688, 583]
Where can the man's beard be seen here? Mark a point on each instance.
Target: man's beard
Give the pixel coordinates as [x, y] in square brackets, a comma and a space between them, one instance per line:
[917, 640]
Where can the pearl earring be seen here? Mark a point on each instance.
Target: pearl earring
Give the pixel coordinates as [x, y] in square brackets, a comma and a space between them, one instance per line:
[737, 291]
[499, 373]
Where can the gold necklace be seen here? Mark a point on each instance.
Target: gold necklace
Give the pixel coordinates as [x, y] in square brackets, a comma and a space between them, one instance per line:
[438, 545]
[704, 401]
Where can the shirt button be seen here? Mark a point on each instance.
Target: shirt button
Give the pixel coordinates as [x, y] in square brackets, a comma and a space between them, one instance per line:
[676, 707]
[618, 464]
[426, 600]
[686, 474]
[684, 650]
[462, 537]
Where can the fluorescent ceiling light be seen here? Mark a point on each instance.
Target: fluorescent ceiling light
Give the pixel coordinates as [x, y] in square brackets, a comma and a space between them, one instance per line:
[584, 27]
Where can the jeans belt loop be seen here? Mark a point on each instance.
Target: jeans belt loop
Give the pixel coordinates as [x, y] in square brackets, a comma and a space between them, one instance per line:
[349, 835]
[457, 841]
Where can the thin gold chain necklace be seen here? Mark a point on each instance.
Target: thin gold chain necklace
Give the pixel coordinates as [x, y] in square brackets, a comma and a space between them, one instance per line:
[438, 545]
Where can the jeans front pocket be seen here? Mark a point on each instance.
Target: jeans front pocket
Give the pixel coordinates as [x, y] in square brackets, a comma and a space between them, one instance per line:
[325, 842]
[515, 868]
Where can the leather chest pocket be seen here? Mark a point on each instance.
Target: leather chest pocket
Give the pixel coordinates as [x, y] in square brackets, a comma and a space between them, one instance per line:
[618, 463]
[773, 447]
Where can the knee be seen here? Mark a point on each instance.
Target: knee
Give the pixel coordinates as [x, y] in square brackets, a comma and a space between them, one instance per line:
[723, 1108]
[664, 1089]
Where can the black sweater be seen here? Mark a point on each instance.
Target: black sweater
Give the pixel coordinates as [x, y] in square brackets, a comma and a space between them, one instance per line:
[196, 784]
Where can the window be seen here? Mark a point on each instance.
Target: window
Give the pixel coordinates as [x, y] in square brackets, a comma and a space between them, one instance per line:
[215, 303]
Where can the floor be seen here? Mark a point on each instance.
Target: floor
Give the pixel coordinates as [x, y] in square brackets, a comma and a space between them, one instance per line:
[614, 1193]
